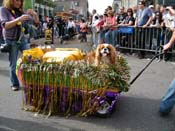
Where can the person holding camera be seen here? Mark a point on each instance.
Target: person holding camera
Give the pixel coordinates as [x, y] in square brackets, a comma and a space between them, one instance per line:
[12, 20]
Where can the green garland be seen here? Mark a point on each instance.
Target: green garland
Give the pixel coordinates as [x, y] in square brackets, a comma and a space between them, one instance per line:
[96, 76]
[38, 77]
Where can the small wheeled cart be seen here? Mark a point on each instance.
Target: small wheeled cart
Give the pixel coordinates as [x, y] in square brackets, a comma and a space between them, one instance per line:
[61, 82]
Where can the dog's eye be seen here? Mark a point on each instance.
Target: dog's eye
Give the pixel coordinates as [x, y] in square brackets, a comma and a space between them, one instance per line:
[108, 48]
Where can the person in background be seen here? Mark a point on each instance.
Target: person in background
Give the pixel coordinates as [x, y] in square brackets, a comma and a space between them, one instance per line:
[129, 20]
[83, 30]
[93, 27]
[121, 16]
[12, 19]
[135, 8]
[169, 23]
[163, 11]
[144, 15]
[71, 26]
[157, 7]
[169, 18]
[110, 27]
[143, 19]
[94, 31]
[100, 30]
[157, 21]
[152, 10]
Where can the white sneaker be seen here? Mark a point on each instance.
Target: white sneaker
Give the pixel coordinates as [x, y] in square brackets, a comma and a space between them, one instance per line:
[15, 88]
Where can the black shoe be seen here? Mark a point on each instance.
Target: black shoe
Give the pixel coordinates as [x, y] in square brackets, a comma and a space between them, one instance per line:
[164, 114]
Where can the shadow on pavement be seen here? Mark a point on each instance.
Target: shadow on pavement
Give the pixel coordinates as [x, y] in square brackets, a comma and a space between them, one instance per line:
[7, 124]
[133, 114]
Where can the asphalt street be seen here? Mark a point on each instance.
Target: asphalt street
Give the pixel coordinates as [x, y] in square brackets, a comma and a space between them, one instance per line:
[136, 110]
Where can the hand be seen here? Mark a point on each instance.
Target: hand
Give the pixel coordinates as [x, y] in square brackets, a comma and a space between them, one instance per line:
[24, 17]
[144, 26]
[31, 12]
[166, 47]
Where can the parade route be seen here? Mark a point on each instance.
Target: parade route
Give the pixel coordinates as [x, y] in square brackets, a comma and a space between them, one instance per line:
[136, 110]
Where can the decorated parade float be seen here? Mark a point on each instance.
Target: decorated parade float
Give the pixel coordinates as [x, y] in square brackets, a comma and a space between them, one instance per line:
[59, 81]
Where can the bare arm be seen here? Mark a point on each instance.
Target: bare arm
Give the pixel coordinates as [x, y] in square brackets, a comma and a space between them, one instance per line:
[13, 23]
[171, 42]
[171, 10]
[149, 21]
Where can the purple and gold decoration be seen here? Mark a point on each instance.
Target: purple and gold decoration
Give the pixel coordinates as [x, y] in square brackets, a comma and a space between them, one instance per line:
[64, 84]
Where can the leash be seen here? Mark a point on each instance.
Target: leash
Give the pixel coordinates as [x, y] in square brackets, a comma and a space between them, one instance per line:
[160, 48]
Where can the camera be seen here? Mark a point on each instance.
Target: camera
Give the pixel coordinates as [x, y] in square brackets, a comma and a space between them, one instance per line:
[5, 48]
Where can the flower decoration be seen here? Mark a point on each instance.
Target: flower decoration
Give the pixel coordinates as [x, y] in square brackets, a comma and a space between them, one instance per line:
[13, 12]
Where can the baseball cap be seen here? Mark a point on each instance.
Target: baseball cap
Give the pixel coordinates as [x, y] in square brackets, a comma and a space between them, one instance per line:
[151, 6]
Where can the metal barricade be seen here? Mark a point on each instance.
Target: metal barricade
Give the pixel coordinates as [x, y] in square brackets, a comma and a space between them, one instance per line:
[142, 39]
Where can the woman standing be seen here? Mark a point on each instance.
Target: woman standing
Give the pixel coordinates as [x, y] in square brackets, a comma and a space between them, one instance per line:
[13, 19]
[110, 27]
[129, 20]
[83, 29]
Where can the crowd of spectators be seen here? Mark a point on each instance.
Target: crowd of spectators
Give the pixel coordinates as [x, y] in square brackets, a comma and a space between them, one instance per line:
[141, 15]
[104, 27]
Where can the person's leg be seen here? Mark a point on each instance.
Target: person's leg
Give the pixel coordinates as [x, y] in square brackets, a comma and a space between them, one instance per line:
[85, 37]
[168, 100]
[13, 54]
[93, 36]
[99, 38]
[114, 37]
[24, 45]
[107, 36]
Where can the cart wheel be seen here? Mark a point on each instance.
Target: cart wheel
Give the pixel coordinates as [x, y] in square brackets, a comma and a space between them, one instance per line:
[103, 111]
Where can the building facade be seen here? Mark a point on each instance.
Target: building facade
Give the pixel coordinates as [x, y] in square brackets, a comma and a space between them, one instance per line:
[79, 8]
[131, 3]
[44, 7]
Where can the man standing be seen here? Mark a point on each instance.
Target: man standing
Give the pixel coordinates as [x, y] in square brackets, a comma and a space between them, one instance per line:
[94, 22]
[144, 19]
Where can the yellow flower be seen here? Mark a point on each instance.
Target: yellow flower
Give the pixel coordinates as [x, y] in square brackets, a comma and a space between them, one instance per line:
[19, 23]
[13, 12]
[23, 29]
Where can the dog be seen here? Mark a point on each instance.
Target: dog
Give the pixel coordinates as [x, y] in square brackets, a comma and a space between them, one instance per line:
[104, 54]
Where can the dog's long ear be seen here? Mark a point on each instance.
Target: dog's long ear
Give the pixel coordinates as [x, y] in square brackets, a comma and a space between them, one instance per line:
[97, 55]
[97, 52]
[113, 54]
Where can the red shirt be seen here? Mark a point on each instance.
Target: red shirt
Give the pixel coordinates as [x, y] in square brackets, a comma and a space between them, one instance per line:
[111, 21]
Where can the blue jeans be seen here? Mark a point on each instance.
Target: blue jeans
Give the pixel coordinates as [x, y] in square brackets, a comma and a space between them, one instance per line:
[94, 36]
[13, 56]
[110, 37]
[1, 41]
[168, 100]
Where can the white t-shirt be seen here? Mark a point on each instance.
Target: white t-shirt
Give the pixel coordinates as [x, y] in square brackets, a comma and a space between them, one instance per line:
[169, 21]
[70, 24]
